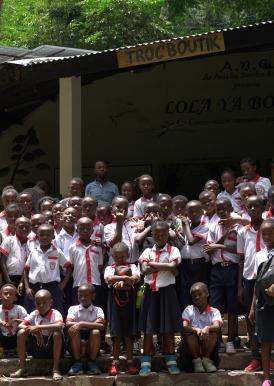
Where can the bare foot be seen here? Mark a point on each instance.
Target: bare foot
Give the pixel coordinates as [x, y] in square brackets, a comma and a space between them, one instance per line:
[20, 373]
[56, 375]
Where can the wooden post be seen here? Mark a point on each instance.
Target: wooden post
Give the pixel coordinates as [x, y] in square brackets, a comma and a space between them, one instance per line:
[70, 131]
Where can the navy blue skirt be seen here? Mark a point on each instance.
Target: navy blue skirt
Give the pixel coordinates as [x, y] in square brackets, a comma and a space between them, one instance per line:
[122, 313]
[160, 311]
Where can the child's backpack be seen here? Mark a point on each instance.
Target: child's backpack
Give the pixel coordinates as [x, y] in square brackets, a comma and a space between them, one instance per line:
[264, 280]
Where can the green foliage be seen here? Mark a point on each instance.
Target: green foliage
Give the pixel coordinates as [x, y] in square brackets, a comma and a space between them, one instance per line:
[103, 24]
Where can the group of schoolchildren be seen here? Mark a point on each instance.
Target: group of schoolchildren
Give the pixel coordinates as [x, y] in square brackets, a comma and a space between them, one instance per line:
[78, 267]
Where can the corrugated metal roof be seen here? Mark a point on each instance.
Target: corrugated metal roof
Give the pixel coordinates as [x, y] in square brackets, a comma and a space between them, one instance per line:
[71, 53]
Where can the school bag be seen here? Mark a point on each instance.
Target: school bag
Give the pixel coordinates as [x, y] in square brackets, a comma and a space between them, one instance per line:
[264, 280]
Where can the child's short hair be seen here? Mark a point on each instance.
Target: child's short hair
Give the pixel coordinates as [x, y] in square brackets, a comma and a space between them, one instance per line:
[163, 195]
[9, 285]
[88, 287]
[198, 285]
[180, 198]
[8, 190]
[120, 247]
[260, 199]
[248, 160]
[78, 180]
[224, 201]
[45, 226]
[228, 171]
[159, 225]
[119, 198]
[206, 193]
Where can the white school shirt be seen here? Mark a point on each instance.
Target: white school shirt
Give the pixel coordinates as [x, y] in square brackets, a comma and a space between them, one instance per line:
[86, 261]
[244, 214]
[3, 221]
[64, 240]
[44, 267]
[52, 317]
[5, 233]
[167, 254]
[8, 314]
[16, 254]
[249, 242]
[81, 314]
[98, 230]
[234, 198]
[130, 210]
[128, 237]
[214, 234]
[260, 258]
[139, 206]
[196, 319]
[195, 251]
[110, 271]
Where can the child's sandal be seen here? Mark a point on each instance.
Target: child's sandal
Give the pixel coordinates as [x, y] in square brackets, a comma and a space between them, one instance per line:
[145, 366]
[20, 373]
[171, 364]
[56, 375]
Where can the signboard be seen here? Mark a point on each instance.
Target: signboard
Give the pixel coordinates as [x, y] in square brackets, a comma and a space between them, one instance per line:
[171, 49]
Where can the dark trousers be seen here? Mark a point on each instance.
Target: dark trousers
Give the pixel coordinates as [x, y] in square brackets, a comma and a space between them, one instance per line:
[191, 272]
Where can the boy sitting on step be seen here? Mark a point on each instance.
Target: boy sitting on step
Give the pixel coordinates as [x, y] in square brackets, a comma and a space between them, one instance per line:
[201, 326]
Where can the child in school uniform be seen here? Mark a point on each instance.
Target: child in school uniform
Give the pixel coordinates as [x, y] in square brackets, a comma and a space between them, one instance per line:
[40, 334]
[270, 197]
[11, 315]
[75, 188]
[89, 208]
[57, 213]
[146, 185]
[160, 311]
[222, 247]
[262, 309]
[12, 213]
[35, 221]
[128, 191]
[46, 203]
[230, 191]
[249, 170]
[247, 189]
[202, 324]
[195, 264]
[87, 260]
[9, 196]
[25, 203]
[121, 229]
[250, 242]
[42, 269]
[84, 322]
[104, 213]
[179, 206]
[208, 201]
[121, 278]
[14, 255]
[212, 186]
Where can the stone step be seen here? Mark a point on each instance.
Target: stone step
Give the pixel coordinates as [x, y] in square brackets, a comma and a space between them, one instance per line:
[221, 378]
[43, 367]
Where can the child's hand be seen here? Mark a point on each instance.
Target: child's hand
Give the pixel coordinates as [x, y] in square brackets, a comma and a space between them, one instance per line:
[205, 333]
[120, 215]
[33, 329]
[39, 339]
[20, 288]
[228, 222]
[270, 290]
[98, 242]
[251, 317]
[74, 329]
[4, 324]
[29, 293]
[208, 248]
[184, 220]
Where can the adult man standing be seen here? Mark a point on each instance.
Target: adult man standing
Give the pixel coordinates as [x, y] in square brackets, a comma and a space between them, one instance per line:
[102, 189]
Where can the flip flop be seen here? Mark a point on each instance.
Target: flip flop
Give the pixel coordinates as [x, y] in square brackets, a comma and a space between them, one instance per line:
[56, 375]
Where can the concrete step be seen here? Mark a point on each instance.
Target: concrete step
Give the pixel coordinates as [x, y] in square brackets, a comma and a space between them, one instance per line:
[36, 367]
[221, 378]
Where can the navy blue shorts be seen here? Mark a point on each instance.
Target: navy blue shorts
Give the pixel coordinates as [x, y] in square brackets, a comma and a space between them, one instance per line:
[43, 352]
[248, 294]
[223, 288]
[8, 342]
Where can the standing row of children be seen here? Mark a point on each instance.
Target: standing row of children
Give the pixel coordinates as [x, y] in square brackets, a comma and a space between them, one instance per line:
[178, 248]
